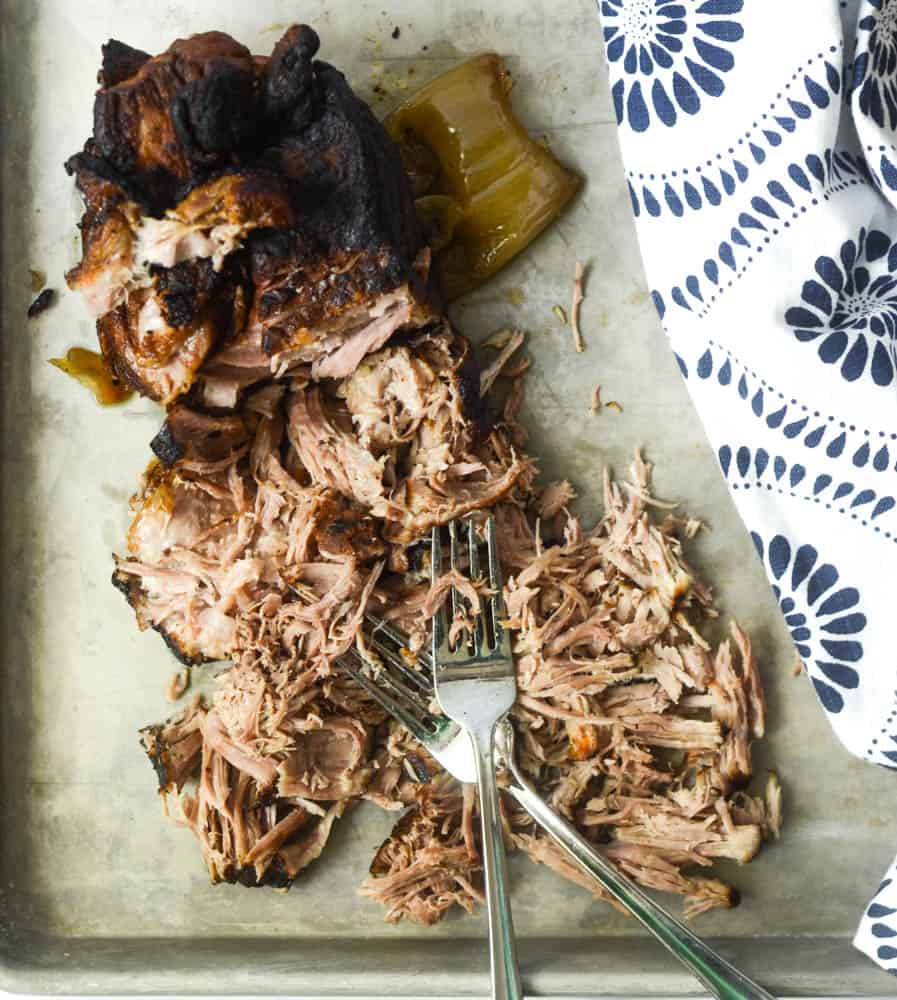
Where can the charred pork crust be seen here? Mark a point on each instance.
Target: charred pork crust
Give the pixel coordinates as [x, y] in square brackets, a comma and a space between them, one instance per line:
[134, 129]
[359, 234]
[133, 593]
[196, 305]
[217, 113]
[417, 769]
[42, 303]
[469, 384]
[308, 287]
[291, 93]
[120, 62]
[275, 876]
[102, 186]
[346, 531]
[347, 173]
[165, 446]
[151, 741]
[181, 289]
[198, 436]
[178, 651]
[417, 556]
[335, 258]
[113, 333]
[174, 747]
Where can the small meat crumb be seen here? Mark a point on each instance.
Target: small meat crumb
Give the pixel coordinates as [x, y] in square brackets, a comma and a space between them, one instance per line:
[43, 302]
[499, 365]
[396, 31]
[687, 526]
[38, 280]
[693, 525]
[177, 684]
[596, 399]
[499, 339]
[798, 667]
[612, 404]
[574, 308]
[773, 803]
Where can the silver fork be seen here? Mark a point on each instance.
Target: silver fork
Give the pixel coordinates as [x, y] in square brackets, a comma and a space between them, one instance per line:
[476, 686]
[405, 693]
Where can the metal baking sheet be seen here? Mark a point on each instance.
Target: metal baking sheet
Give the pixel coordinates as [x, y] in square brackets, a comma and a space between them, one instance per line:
[97, 892]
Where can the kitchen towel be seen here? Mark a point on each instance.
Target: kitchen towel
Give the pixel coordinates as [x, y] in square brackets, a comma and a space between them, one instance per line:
[758, 141]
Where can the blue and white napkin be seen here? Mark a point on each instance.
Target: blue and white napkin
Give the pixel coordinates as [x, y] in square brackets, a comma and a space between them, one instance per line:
[758, 140]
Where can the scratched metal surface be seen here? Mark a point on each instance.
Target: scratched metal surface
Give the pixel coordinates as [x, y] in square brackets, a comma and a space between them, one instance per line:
[98, 893]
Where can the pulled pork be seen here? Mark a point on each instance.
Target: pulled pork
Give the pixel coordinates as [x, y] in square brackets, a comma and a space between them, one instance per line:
[427, 865]
[251, 254]
[219, 542]
[268, 534]
[398, 437]
[631, 724]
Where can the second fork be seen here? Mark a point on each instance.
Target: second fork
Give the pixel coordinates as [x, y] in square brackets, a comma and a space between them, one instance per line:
[476, 686]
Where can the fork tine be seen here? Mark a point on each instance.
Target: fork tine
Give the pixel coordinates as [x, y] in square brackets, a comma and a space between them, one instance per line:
[401, 704]
[480, 636]
[496, 600]
[421, 680]
[395, 681]
[454, 562]
[495, 578]
[440, 626]
[396, 635]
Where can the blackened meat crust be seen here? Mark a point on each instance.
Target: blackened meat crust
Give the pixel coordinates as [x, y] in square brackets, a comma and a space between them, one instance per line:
[206, 155]
[120, 62]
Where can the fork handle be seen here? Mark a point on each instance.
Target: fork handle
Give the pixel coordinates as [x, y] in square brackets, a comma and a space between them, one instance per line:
[718, 976]
[502, 948]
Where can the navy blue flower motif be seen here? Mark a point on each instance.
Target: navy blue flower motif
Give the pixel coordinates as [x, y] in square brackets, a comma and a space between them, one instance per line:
[668, 53]
[851, 311]
[822, 616]
[875, 68]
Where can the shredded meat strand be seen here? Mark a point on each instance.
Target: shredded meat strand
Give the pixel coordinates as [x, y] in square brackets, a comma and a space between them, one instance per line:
[575, 307]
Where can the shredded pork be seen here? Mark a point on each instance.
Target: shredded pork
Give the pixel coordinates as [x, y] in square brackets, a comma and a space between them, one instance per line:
[265, 543]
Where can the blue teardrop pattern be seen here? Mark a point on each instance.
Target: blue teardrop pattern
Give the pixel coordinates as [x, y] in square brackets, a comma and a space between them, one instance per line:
[794, 421]
[863, 504]
[667, 98]
[789, 194]
[817, 606]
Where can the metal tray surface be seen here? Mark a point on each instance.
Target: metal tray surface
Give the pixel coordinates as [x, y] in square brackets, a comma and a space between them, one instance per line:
[97, 892]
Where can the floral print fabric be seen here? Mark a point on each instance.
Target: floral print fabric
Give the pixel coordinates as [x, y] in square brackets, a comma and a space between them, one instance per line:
[758, 142]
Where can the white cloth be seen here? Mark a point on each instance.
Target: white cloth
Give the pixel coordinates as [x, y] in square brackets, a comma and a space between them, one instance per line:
[758, 140]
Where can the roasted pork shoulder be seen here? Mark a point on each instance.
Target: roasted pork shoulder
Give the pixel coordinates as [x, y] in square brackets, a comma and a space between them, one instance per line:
[243, 216]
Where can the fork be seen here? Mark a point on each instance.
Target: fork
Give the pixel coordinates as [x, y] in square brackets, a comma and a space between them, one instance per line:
[476, 686]
[405, 693]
